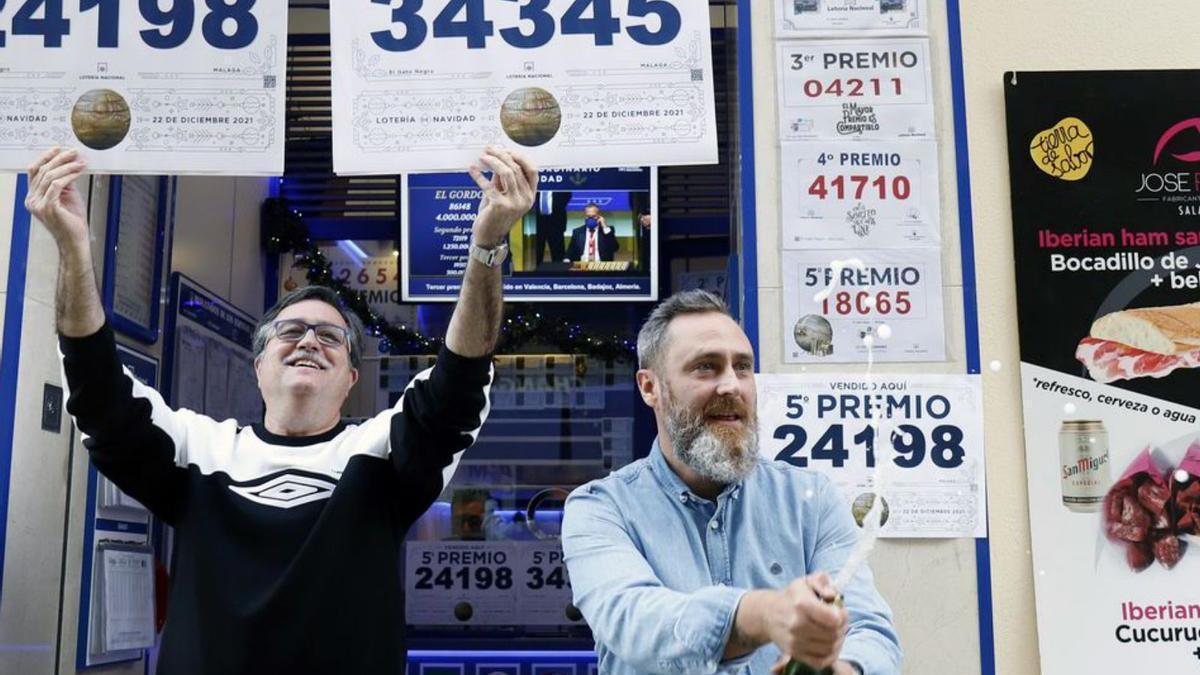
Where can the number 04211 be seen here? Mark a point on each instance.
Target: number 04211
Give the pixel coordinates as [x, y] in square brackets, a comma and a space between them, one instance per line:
[854, 87]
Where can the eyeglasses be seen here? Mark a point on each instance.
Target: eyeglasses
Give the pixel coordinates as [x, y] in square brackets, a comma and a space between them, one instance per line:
[328, 334]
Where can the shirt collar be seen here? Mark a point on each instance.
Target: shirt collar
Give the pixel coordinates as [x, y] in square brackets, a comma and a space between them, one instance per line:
[674, 485]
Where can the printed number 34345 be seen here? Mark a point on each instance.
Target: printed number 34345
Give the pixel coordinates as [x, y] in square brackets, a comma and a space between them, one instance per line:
[535, 27]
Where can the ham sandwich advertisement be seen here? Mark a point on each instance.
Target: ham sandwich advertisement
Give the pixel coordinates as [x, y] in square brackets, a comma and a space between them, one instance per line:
[1105, 183]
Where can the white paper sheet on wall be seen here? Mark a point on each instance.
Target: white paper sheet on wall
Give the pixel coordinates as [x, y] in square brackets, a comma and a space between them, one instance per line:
[859, 194]
[128, 607]
[825, 18]
[137, 249]
[857, 89]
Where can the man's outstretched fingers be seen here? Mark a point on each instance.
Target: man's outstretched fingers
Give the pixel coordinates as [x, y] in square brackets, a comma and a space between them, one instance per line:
[502, 175]
[481, 181]
[41, 159]
[40, 185]
[528, 169]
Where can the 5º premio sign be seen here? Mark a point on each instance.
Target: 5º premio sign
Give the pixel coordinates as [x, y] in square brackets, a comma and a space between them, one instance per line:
[924, 456]
[155, 86]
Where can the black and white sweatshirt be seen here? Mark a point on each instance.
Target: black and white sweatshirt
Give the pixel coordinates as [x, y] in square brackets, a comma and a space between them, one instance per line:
[287, 550]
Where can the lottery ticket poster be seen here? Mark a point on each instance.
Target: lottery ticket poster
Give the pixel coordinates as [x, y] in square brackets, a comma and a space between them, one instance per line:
[855, 89]
[824, 18]
[917, 440]
[855, 306]
[845, 194]
[424, 86]
[189, 87]
[487, 583]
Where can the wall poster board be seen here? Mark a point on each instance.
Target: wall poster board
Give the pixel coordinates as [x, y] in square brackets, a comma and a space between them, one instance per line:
[133, 241]
[209, 352]
[1105, 171]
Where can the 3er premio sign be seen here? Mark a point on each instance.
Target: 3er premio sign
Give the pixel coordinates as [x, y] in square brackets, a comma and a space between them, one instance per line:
[847, 89]
[167, 86]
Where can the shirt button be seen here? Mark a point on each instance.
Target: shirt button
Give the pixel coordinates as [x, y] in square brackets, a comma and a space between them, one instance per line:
[714, 524]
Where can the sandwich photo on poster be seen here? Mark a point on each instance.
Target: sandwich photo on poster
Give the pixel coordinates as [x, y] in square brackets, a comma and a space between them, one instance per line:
[1105, 180]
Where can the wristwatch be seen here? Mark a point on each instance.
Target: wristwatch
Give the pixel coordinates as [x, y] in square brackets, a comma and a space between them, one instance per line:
[489, 256]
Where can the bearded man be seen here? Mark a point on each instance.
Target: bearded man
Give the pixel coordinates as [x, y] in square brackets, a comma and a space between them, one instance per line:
[702, 557]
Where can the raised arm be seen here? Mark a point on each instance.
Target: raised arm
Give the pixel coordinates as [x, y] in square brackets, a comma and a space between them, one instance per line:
[130, 433]
[53, 200]
[507, 196]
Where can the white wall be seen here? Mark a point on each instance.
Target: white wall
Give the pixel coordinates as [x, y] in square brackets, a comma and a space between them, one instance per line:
[32, 559]
[1027, 35]
[217, 238]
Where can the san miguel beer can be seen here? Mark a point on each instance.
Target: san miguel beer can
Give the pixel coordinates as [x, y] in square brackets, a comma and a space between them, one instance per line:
[1083, 451]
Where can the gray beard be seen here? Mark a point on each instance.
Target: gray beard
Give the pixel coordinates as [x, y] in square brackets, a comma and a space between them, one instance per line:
[721, 460]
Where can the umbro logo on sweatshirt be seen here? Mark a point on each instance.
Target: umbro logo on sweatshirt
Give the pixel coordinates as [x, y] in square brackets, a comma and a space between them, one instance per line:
[286, 491]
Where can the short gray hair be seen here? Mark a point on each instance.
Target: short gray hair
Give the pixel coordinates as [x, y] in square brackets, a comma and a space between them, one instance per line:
[262, 332]
[652, 338]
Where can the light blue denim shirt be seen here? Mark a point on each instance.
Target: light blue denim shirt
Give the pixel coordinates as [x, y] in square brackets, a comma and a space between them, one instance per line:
[658, 572]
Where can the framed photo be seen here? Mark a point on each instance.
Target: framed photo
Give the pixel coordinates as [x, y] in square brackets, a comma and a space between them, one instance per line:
[133, 244]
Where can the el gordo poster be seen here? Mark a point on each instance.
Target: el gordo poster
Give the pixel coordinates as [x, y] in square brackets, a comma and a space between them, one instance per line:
[1105, 178]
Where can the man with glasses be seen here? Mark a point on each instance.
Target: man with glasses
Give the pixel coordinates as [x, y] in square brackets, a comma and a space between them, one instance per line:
[288, 532]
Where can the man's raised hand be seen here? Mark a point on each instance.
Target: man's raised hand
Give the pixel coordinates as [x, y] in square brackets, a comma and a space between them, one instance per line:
[52, 197]
[507, 197]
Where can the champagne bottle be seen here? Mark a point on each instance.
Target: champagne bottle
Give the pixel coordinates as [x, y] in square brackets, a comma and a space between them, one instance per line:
[795, 667]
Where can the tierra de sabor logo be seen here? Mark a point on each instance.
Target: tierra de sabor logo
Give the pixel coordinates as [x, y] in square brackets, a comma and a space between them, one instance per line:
[1065, 150]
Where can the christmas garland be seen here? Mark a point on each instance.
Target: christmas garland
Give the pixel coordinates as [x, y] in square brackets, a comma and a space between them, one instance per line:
[283, 231]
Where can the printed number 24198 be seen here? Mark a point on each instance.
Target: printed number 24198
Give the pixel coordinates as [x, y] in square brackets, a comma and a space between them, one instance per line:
[168, 28]
[943, 446]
